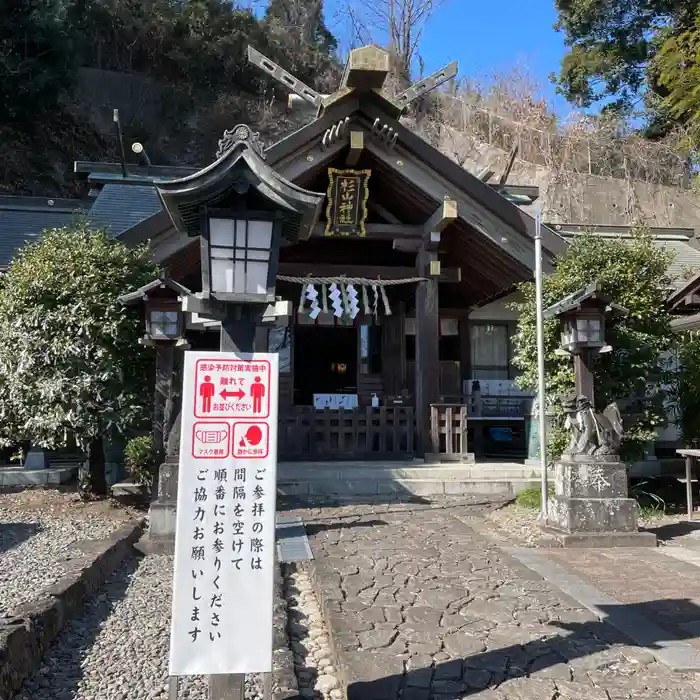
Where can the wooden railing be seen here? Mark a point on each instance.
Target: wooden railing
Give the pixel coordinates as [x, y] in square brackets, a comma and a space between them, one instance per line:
[364, 433]
[448, 432]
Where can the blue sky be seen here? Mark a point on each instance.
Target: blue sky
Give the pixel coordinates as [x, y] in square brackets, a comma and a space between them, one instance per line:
[488, 36]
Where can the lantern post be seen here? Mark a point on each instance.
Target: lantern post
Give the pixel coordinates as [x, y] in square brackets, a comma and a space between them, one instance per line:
[591, 506]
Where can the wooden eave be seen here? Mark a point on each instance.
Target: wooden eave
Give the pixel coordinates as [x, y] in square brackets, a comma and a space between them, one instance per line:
[184, 198]
[147, 229]
[144, 292]
[686, 323]
[576, 300]
[301, 154]
[686, 298]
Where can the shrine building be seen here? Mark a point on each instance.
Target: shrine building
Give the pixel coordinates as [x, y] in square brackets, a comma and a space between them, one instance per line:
[387, 278]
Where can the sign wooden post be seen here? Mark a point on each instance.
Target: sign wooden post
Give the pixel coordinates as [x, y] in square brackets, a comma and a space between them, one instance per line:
[225, 536]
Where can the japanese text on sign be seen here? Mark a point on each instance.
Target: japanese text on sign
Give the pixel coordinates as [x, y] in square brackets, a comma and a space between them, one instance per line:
[224, 546]
[231, 389]
[348, 191]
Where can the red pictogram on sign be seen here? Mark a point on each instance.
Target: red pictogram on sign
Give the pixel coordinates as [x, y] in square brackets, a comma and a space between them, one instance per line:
[232, 389]
[210, 440]
[250, 440]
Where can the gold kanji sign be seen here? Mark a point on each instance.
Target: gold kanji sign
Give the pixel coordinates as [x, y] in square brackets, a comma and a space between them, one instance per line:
[348, 191]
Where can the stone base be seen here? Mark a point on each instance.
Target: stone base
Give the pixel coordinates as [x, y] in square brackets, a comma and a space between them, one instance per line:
[602, 539]
[37, 458]
[163, 510]
[590, 480]
[161, 520]
[595, 515]
[147, 545]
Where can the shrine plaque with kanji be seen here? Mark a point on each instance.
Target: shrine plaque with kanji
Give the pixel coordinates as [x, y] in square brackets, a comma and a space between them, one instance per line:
[348, 191]
[223, 583]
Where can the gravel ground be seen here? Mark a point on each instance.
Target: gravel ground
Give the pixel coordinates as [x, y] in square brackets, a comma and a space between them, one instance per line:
[38, 531]
[310, 640]
[519, 525]
[118, 648]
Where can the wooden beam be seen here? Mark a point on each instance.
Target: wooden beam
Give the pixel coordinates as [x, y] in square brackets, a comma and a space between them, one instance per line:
[509, 165]
[281, 76]
[384, 212]
[502, 235]
[357, 144]
[406, 245]
[379, 232]
[316, 158]
[366, 69]
[446, 213]
[531, 191]
[448, 275]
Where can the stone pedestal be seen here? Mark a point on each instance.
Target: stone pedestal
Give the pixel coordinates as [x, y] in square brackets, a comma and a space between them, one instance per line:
[36, 458]
[591, 508]
[161, 528]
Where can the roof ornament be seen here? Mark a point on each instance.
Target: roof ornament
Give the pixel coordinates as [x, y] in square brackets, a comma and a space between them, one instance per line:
[335, 133]
[240, 134]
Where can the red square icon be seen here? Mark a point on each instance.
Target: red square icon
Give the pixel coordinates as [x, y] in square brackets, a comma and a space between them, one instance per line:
[250, 440]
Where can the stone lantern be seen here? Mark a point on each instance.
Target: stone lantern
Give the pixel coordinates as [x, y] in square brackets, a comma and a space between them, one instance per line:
[590, 507]
[583, 317]
[162, 302]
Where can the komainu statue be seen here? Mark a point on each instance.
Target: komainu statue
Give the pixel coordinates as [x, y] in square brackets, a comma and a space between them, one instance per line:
[592, 433]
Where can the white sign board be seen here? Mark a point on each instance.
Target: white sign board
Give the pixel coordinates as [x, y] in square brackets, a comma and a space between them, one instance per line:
[335, 401]
[225, 536]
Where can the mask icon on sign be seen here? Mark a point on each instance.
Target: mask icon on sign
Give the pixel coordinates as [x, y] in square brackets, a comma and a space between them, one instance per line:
[210, 437]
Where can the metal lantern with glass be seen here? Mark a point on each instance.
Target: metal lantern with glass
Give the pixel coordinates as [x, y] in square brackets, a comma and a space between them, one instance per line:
[162, 301]
[241, 209]
[241, 253]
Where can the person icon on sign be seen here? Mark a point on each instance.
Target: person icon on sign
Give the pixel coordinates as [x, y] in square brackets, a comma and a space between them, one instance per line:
[257, 391]
[206, 391]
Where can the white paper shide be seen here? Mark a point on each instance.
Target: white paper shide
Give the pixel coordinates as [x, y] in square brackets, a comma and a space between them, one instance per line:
[225, 537]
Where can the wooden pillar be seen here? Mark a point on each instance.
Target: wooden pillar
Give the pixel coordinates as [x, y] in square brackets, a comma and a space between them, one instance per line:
[165, 352]
[584, 376]
[465, 360]
[261, 339]
[427, 341]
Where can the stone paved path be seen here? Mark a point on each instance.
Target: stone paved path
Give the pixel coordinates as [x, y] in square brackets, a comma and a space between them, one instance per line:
[423, 608]
[662, 588]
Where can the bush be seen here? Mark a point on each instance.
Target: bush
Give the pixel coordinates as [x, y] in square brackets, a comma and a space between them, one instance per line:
[634, 274]
[531, 498]
[71, 367]
[140, 456]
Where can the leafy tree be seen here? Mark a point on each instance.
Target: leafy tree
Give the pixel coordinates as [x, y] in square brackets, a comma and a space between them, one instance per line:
[689, 389]
[70, 364]
[611, 44]
[675, 72]
[634, 274]
[37, 59]
[300, 40]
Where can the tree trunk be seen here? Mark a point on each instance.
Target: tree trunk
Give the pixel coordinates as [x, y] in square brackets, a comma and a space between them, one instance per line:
[98, 481]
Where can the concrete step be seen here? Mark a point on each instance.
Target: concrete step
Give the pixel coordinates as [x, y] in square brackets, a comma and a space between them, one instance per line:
[396, 487]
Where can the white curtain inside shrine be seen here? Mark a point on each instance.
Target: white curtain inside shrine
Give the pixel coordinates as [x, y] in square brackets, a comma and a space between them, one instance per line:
[489, 351]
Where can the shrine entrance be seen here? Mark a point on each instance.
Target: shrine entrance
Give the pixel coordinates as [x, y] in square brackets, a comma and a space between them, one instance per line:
[325, 363]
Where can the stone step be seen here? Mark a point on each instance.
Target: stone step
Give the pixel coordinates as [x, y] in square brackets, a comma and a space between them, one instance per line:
[53, 476]
[338, 470]
[396, 487]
